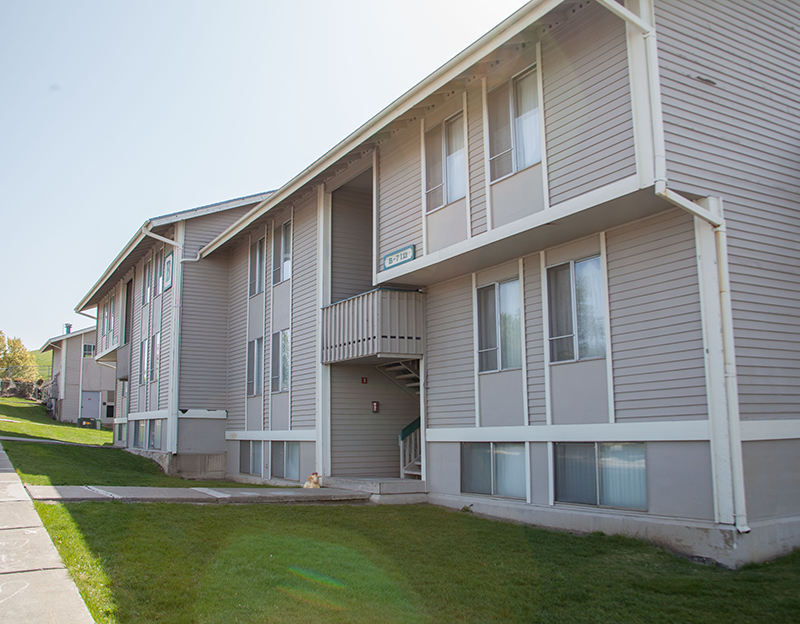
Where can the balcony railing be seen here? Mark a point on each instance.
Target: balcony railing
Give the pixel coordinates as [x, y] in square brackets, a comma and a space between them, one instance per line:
[389, 323]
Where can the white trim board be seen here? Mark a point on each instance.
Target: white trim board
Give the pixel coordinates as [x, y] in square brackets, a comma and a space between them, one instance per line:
[298, 435]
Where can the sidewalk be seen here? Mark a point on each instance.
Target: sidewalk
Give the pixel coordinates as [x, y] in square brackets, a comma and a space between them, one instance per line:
[35, 587]
[34, 584]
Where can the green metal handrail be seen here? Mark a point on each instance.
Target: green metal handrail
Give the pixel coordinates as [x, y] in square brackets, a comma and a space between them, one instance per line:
[409, 429]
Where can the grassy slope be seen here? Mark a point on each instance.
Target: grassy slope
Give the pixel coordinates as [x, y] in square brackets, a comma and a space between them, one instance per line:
[27, 419]
[248, 563]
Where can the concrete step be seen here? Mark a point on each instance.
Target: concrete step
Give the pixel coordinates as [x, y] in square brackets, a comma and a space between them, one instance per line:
[375, 485]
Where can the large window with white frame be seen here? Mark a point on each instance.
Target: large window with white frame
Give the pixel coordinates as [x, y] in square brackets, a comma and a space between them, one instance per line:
[576, 310]
[282, 253]
[144, 361]
[445, 163]
[146, 285]
[251, 457]
[111, 312]
[257, 266]
[494, 468]
[604, 474]
[255, 366]
[281, 361]
[155, 356]
[514, 126]
[286, 460]
[499, 326]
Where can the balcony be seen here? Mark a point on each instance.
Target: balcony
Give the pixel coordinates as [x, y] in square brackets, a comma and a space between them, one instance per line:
[384, 323]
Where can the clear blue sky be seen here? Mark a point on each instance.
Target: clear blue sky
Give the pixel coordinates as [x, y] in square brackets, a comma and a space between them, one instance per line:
[115, 111]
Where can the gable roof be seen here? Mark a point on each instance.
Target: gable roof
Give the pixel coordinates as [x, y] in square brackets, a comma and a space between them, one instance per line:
[51, 342]
[137, 247]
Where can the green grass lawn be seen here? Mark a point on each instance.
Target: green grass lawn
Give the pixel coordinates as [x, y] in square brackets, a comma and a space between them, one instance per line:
[28, 419]
[255, 563]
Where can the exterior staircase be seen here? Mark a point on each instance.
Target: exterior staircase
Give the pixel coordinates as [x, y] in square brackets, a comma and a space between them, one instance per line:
[405, 374]
[410, 451]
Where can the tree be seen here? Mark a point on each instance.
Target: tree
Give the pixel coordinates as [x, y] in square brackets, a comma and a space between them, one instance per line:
[16, 362]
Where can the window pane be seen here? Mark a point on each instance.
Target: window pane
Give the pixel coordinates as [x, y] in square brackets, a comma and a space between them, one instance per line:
[277, 459]
[287, 250]
[259, 365]
[456, 163]
[622, 476]
[559, 305]
[255, 457]
[589, 308]
[509, 470]
[576, 476]
[251, 367]
[277, 254]
[156, 351]
[510, 337]
[526, 124]
[286, 351]
[253, 269]
[476, 467]
[292, 461]
[244, 456]
[275, 372]
[487, 329]
[433, 168]
[499, 132]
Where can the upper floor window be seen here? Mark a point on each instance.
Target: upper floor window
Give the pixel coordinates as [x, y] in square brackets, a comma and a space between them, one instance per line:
[144, 361]
[88, 350]
[128, 319]
[158, 273]
[104, 323]
[576, 310]
[499, 331]
[281, 358]
[257, 266]
[111, 312]
[255, 366]
[514, 131]
[282, 253]
[146, 277]
[445, 163]
[155, 356]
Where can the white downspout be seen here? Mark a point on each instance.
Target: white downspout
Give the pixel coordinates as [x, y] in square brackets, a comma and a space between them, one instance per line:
[714, 216]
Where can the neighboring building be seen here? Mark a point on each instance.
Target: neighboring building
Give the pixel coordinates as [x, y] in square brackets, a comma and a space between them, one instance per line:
[571, 253]
[80, 386]
[148, 325]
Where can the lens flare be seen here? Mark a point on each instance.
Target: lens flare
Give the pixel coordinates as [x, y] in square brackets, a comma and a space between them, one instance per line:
[317, 577]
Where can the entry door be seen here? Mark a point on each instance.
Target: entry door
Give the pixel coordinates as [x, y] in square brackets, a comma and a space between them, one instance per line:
[90, 405]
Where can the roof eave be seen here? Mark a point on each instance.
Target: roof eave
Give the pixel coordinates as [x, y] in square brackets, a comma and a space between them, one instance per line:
[519, 20]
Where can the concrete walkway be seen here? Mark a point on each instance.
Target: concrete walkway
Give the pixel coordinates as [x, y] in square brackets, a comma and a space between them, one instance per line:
[35, 587]
[34, 584]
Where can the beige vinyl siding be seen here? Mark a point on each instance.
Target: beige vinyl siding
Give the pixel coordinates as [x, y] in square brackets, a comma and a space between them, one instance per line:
[450, 355]
[400, 192]
[202, 230]
[739, 138]
[534, 339]
[587, 103]
[351, 244]
[136, 338]
[165, 343]
[477, 168]
[656, 332]
[267, 344]
[237, 332]
[304, 316]
[71, 403]
[364, 444]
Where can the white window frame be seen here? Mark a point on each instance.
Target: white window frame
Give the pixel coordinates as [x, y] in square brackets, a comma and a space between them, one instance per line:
[498, 348]
[88, 352]
[280, 367]
[282, 252]
[158, 273]
[449, 194]
[146, 285]
[257, 266]
[255, 367]
[286, 445]
[111, 311]
[511, 84]
[574, 313]
[155, 356]
[144, 357]
[493, 471]
[598, 477]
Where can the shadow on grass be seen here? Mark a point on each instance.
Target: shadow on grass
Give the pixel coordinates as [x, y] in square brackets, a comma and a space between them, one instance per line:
[21, 418]
[249, 563]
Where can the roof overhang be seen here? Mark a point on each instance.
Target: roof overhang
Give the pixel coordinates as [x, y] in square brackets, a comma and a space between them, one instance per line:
[523, 18]
[51, 343]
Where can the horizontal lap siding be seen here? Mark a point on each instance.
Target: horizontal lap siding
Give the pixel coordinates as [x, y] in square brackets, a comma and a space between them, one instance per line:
[267, 381]
[587, 104]
[136, 337]
[656, 332]
[236, 340]
[399, 192]
[534, 339]
[477, 164]
[165, 344]
[450, 355]
[739, 138]
[304, 316]
[351, 244]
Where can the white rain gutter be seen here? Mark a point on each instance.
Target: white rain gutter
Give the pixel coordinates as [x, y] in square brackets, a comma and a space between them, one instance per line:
[715, 218]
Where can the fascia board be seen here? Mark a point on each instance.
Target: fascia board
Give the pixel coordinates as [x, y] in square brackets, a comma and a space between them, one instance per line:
[193, 213]
[51, 343]
[137, 238]
[521, 19]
